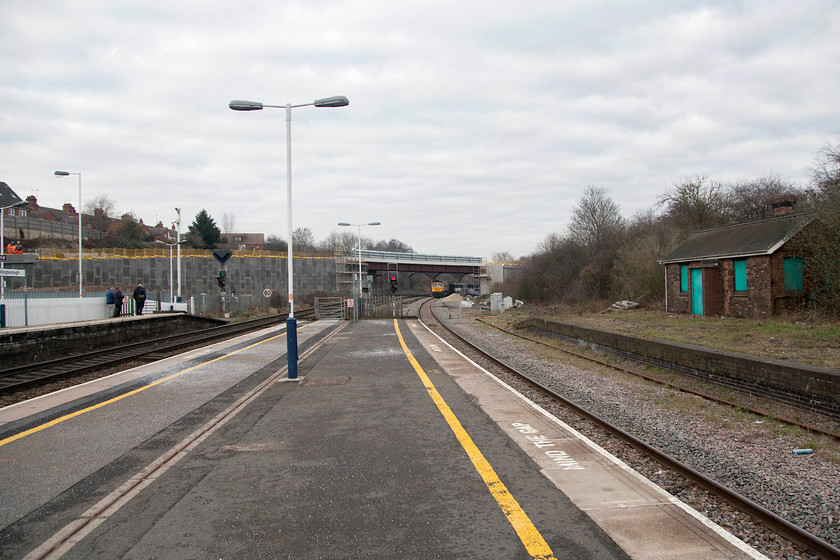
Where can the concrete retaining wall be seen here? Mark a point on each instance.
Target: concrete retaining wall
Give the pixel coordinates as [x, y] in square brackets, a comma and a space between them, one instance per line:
[806, 387]
[247, 274]
[36, 344]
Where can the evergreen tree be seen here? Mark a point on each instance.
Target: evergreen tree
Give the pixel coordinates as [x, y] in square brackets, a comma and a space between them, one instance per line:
[204, 231]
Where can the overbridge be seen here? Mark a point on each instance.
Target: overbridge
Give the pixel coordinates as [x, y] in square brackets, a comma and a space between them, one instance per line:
[385, 263]
[432, 265]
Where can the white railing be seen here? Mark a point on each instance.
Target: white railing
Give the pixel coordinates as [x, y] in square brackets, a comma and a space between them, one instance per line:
[388, 256]
[30, 312]
[33, 311]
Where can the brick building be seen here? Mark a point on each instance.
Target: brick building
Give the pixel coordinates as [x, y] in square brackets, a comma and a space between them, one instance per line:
[246, 241]
[753, 269]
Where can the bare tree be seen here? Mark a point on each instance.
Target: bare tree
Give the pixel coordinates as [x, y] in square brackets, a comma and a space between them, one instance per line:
[696, 203]
[825, 239]
[101, 210]
[344, 241]
[825, 177]
[392, 246]
[303, 240]
[636, 274]
[546, 275]
[597, 227]
[275, 243]
[503, 257]
[596, 219]
[750, 200]
[228, 222]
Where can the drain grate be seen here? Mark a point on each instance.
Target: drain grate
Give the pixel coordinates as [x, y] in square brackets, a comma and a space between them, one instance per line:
[327, 382]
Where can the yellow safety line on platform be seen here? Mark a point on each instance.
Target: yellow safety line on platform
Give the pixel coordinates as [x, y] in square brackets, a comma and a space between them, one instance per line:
[528, 534]
[61, 419]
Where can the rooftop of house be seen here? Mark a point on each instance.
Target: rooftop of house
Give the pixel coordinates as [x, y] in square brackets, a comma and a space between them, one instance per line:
[8, 197]
[761, 237]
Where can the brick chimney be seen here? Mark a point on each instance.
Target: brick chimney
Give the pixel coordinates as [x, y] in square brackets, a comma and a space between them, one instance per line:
[69, 208]
[783, 205]
[33, 203]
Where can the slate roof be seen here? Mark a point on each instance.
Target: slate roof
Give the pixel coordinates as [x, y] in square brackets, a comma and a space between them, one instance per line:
[7, 195]
[53, 215]
[762, 237]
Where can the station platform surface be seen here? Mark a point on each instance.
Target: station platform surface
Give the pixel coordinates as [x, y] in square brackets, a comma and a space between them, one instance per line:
[389, 445]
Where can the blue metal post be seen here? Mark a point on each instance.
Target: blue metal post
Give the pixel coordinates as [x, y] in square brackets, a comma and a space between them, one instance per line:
[2, 313]
[292, 347]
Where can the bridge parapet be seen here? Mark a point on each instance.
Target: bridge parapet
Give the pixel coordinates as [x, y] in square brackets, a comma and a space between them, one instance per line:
[417, 258]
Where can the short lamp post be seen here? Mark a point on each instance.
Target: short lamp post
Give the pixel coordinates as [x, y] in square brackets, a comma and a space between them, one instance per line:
[291, 324]
[171, 285]
[3, 241]
[79, 173]
[359, 300]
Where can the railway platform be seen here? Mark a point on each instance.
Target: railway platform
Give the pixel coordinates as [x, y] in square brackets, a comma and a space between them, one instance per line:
[389, 445]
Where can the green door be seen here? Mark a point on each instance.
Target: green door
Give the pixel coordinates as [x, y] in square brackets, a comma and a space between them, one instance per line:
[697, 291]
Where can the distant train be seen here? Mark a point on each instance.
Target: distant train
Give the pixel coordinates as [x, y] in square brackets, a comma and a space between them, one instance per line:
[440, 289]
[443, 289]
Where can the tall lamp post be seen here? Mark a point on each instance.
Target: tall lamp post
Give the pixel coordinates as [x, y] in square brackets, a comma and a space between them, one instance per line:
[79, 173]
[360, 260]
[3, 241]
[291, 324]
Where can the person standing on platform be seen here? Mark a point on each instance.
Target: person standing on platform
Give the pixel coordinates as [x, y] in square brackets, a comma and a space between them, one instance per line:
[118, 302]
[109, 301]
[139, 299]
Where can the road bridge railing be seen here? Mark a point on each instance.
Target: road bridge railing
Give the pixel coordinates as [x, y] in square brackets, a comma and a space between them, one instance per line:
[418, 258]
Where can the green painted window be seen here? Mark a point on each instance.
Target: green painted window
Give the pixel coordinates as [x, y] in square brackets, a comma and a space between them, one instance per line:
[740, 275]
[684, 278]
[793, 275]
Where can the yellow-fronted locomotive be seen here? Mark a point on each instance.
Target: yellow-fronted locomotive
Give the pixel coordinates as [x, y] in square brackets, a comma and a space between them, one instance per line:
[440, 289]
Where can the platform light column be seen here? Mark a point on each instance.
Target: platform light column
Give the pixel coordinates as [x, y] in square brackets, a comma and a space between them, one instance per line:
[291, 323]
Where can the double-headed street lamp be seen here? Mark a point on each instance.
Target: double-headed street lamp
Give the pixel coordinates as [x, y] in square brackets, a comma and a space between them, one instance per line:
[360, 259]
[79, 173]
[291, 324]
[3, 241]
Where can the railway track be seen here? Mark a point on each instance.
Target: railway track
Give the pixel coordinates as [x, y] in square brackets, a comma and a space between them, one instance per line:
[765, 517]
[22, 377]
[707, 396]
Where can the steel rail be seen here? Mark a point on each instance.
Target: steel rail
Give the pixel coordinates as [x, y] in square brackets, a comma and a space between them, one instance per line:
[13, 379]
[766, 517]
[790, 421]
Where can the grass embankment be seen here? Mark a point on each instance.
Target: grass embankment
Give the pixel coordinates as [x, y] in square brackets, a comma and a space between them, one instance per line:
[803, 338]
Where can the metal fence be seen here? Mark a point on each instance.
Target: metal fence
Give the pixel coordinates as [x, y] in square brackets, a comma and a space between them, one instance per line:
[24, 227]
[329, 308]
[382, 307]
[28, 309]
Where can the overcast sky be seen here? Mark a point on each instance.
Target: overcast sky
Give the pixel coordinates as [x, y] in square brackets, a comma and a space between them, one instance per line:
[473, 127]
